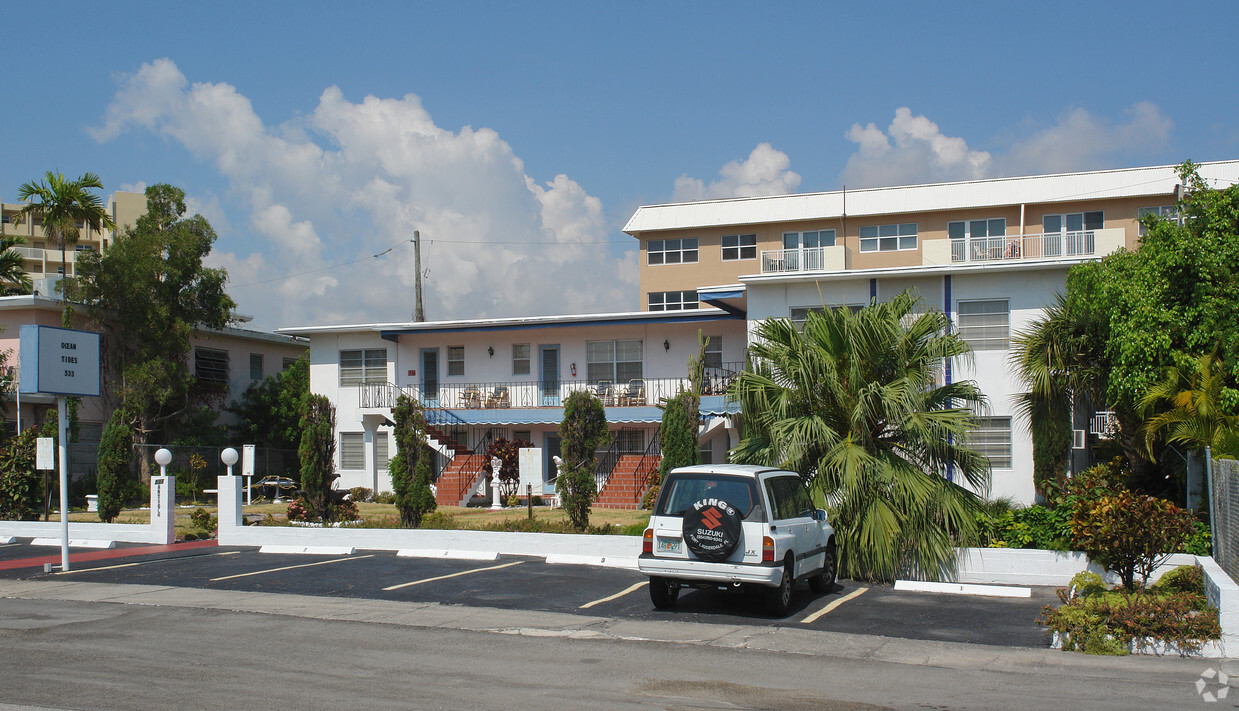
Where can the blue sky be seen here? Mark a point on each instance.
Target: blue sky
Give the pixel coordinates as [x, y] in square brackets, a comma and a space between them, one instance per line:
[519, 137]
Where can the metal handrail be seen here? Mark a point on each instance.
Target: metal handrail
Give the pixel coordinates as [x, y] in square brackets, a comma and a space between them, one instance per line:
[532, 393]
[654, 449]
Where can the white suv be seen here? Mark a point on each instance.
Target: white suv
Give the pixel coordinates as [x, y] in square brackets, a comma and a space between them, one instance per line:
[729, 526]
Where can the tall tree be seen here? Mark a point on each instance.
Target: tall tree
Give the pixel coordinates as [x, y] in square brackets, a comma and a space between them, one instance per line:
[410, 468]
[148, 294]
[582, 432]
[1056, 358]
[318, 455]
[64, 207]
[270, 409]
[1174, 294]
[115, 457]
[852, 405]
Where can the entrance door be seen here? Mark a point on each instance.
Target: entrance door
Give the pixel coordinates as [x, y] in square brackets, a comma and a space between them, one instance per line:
[430, 377]
[549, 372]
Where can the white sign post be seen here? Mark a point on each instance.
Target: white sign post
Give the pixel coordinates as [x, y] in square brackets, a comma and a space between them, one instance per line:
[64, 363]
[247, 471]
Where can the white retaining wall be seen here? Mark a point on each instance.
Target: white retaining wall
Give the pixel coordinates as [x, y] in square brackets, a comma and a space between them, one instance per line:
[161, 529]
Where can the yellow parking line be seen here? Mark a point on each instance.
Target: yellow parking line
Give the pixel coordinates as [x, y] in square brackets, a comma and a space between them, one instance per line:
[609, 598]
[141, 562]
[290, 567]
[833, 605]
[453, 575]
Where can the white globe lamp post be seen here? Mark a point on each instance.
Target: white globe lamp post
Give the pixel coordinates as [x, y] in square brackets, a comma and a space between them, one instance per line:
[163, 458]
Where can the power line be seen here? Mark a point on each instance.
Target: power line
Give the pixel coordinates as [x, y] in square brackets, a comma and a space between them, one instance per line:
[403, 242]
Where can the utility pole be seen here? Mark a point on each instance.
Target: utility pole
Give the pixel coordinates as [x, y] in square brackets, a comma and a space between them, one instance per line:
[418, 314]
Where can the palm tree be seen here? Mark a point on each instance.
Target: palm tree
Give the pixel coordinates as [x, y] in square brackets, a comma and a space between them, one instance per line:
[854, 404]
[13, 276]
[1054, 359]
[65, 206]
[1193, 413]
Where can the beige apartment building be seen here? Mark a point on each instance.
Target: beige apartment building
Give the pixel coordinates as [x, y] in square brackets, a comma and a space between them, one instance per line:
[43, 259]
[991, 254]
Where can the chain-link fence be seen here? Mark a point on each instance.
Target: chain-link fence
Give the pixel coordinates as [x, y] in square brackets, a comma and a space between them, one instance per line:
[1224, 512]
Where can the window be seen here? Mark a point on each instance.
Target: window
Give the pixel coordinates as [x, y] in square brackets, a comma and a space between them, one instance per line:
[522, 435]
[617, 361]
[977, 229]
[788, 498]
[455, 360]
[813, 238]
[672, 251]
[287, 363]
[1073, 222]
[83, 247]
[363, 367]
[714, 353]
[739, 247]
[673, 300]
[800, 314]
[985, 325]
[352, 450]
[992, 438]
[6, 219]
[211, 365]
[888, 238]
[1166, 212]
[255, 366]
[382, 456]
[520, 359]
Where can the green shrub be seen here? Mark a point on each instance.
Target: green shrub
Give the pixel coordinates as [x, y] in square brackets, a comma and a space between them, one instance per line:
[203, 520]
[21, 487]
[385, 497]
[1129, 533]
[1085, 584]
[360, 494]
[115, 458]
[439, 521]
[1200, 542]
[1183, 579]
[345, 511]
[1107, 622]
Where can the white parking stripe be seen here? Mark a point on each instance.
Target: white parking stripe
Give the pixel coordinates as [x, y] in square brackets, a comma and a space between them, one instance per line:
[141, 562]
[290, 567]
[609, 598]
[453, 575]
[833, 605]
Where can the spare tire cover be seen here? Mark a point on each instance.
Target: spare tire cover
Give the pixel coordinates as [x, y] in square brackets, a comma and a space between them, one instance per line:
[712, 529]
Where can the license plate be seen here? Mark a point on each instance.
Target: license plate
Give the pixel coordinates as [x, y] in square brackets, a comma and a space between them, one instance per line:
[669, 545]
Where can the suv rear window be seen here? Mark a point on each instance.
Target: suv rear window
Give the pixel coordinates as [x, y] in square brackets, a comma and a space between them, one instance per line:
[683, 490]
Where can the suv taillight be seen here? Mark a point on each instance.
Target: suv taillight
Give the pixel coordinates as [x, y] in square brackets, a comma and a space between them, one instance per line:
[767, 549]
[647, 541]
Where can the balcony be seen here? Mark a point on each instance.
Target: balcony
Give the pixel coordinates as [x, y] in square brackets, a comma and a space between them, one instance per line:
[804, 259]
[942, 252]
[464, 398]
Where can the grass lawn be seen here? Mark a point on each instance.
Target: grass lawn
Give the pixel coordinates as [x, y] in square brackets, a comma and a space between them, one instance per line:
[385, 516]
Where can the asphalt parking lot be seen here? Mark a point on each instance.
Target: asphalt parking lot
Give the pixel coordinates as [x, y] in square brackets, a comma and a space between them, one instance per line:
[519, 583]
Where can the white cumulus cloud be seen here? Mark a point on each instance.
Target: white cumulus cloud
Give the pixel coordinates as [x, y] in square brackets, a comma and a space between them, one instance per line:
[913, 149]
[764, 172]
[352, 180]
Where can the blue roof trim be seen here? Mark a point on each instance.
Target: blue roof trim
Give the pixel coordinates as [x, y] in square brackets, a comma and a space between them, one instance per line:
[687, 317]
[707, 295]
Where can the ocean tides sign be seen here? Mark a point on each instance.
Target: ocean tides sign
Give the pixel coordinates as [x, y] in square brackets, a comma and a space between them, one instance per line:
[58, 361]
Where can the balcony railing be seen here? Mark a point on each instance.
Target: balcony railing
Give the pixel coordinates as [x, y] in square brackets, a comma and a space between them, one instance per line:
[638, 392]
[806, 259]
[1042, 246]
